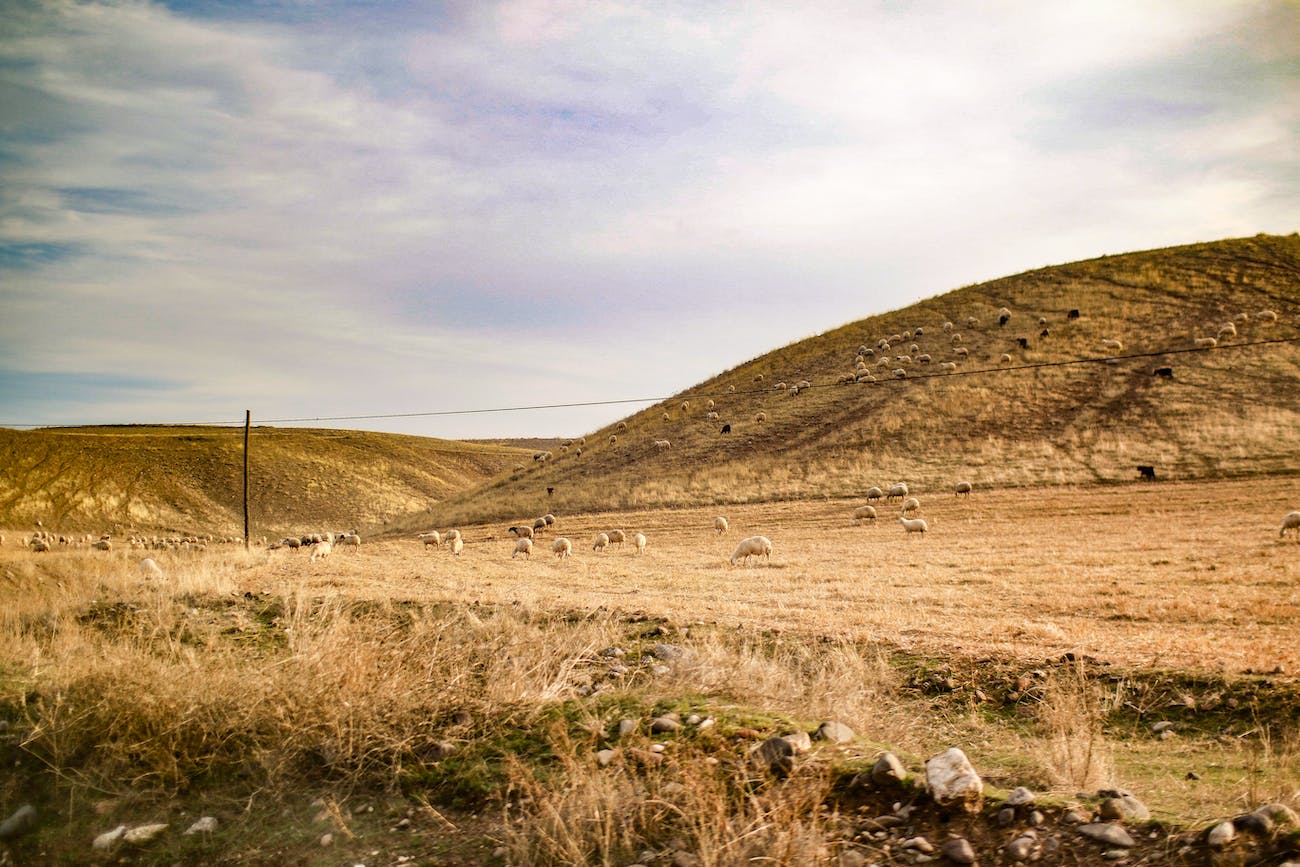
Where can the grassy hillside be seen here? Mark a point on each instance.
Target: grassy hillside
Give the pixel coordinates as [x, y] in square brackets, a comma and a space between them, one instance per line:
[189, 479]
[1227, 412]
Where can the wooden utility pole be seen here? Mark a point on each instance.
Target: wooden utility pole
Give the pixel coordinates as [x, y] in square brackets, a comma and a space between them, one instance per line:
[248, 419]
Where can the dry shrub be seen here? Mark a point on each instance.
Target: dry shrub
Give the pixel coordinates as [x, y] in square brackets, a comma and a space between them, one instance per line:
[1075, 754]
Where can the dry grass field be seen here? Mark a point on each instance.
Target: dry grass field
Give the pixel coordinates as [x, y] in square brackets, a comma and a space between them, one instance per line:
[1042, 631]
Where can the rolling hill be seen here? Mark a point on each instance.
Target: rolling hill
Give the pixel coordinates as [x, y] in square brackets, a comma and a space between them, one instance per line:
[189, 479]
[1029, 404]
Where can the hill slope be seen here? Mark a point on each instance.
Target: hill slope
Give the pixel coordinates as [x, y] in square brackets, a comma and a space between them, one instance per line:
[189, 479]
[1226, 412]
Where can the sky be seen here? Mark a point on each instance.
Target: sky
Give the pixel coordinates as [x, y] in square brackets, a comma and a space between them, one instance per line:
[352, 207]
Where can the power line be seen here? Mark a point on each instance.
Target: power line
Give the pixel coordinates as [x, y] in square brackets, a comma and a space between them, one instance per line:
[888, 381]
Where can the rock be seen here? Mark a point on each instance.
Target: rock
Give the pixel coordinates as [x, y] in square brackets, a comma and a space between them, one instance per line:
[1020, 849]
[694, 719]
[1124, 807]
[953, 782]
[1036, 818]
[1020, 797]
[1281, 814]
[19, 822]
[663, 724]
[613, 652]
[206, 825]
[1073, 817]
[605, 757]
[109, 839]
[626, 727]
[708, 722]
[835, 732]
[748, 733]
[852, 858]
[657, 748]
[1005, 816]
[888, 769]
[1111, 835]
[920, 844]
[141, 834]
[1220, 835]
[668, 652]
[682, 858]
[646, 757]
[777, 754]
[660, 670]
[1163, 726]
[1253, 823]
[326, 840]
[801, 742]
[1115, 855]
[958, 850]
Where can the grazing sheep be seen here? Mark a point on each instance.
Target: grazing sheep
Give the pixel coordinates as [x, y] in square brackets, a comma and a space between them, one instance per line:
[539, 525]
[639, 541]
[38, 544]
[1004, 316]
[709, 405]
[963, 488]
[523, 546]
[549, 519]
[899, 373]
[622, 427]
[1042, 321]
[754, 546]
[1266, 316]
[874, 493]
[149, 568]
[1023, 342]
[1206, 343]
[617, 537]
[758, 378]
[761, 417]
[923, 358]
[522, 532]
[685, 405]
[956, 338]
[960, 351]
[914, 525]
[864, 377]
[731, 389]
[667, 417]
[352, 540]
[1005, 359]
[864, 513]
[720, 524]
[1164, 372]
[451, 534]
[1147, 472]
[1112, 343]
[293, 543]
[911, 504]
[914, 349]
[663, 444]
[102, 545]
[1073, 314]
[898, 489]
[1290, 522]
[601, 543]
[1228, 330]
[972, 322]
[432, 538]
[947, 328]
[726, 429]
[457, 545]
[780, 386]
[712, 416]
[904, 359]
[613, 439]
[562, 547]
[321, 550]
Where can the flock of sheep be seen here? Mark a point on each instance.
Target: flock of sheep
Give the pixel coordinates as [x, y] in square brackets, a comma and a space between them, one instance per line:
[42, 540]
[321, 545]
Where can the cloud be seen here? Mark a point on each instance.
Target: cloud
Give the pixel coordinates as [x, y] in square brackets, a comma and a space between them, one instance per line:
[349, 209]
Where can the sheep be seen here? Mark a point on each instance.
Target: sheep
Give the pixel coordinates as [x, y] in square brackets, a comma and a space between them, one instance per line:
[451, 534]
[864, 377]
[613, 439]
[972, 322]
[960, 351]
[914, 525]
[947, 328]
[1073, 314]
[720, 524]
[861, 513]
[352, 540]
[1022, 342]
[917, 332]
[726, 429]
[898, 489]
[911, 504]
[430, 538]
[955, 339]
[457, 545]
[754, 546]
[663, 444]
[1290, 522]
[923, 358]
[780, 386]
[1004, 316]
[1045, 333]
[761, 417]
[685, 405]
[758, 378]
[601, 543]
[899, 373]
[1266, 316]
[963, 488]
[1042, 321]
[1206, 343]
[523, 546]
[149, 568]
[1005, 359]
[1228, 330]
[904, 359]
[293, 543]
[667, 417]
[914, 349]
[102, 545]
[1112, 343]
[39, 545]
[712, 416]
[803, 383]
[521, 532]
[617, 537]
[622, 427]
[321, 550]
[549, 519]
[639, 541]
[731, 389]
[1163, 372]
[562, 547]
[709, 405]
[874, 493]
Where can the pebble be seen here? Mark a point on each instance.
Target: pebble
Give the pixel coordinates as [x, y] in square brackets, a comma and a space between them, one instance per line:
[1020, 849]
[920, 844]
[952, 780]
[144, 833]
[663, 724]
[800, 741]
[959, 850]
[1020, 797]
[19, 822]
[835, 732]
[1163, 726]
[694, 719]
[326, 840]
[660, 670]
[626, 727]
[108, 839]
[1220, 835]
[604, 757]
[1124, 807]
[852, 858]
[1111, 835]
[206, 825]
[1073, 817]
[657, 748]
[1006, 816]
[668, 652]
[777, 754]
[1036, 818]
[1115, 855]
[888, 769]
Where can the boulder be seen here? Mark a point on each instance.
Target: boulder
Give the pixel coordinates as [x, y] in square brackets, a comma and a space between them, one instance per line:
[953, 782]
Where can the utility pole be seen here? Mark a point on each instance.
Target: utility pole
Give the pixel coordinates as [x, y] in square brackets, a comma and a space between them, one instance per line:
[248, 420]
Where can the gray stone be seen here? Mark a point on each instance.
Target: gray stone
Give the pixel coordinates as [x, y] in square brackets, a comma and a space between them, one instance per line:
[663, 724]
[953, 782]
[1006, 816]
[605, 757]
[1220, 835]
[888, 769]
[1020, 797]
[835, 732]
[206, 825]
[1073, 817]
[801, 742]
[1111, 835]
[1125, 807]
[1020, 849]
[1036, 818]
[19, 822]
[626, 727]
[109, 839]
[1254, 823]
[1163, 726]
[920, 844]
[777, 755]
[668, 652]
[852, 858]
[958, 850]
[1281, 814]
[326, 840]
[613, 652]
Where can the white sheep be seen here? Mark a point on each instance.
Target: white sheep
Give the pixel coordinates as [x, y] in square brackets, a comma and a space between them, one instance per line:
[549, 519]
[601, 543]
[451, 534]
[321, 550]
[663, 444]
[639, 541]
[38, 544]
[898, 489]
[720, 524]
[621, 427]
[899, 373]
[667, 417]
[914, 525]
[923, 358]
[1227, 330]
[562, 547]
[457, 544]
[761, 417]
[1112, 343]
[948, 367]
[1206, 343]
[1005, 359]
[1290, 522]
[960, 351]
[956, 338]
[947, 328]
[754, 546]
[874, 493]
[1243, 316]
[864, 513]
[1266, 316]
[962, 488]
[522, 531]
[102, 545]
[911, 504]
[523, 546]
[709, 405]
[149, 568]
[613, 439]
[539, 525]
[712, 415]
[617, 537]
[352, 540]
